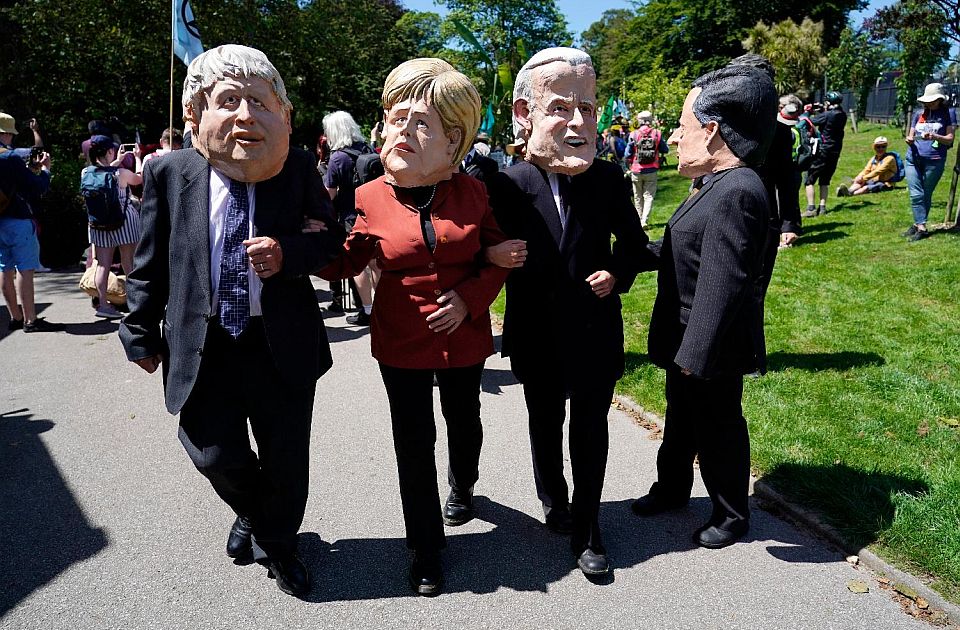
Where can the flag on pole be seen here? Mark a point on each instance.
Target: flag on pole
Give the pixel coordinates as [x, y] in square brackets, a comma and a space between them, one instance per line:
[606, 116]
[486, 124]
[186, 36]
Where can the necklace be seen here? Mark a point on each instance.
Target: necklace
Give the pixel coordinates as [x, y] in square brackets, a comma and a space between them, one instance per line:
[429, 201]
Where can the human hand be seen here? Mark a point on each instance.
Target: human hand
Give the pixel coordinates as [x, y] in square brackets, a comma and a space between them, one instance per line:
[150, 364]
[45, 160]
[909, 139]
[787, 239]
[265, 255]
[452, 312]
[686, 372]
[137, 153]
[34, 125]
[313, 225]
[508, 254]
[601, 282]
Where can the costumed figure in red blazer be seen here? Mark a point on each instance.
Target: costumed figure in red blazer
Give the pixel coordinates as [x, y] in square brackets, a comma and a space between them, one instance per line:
[427, 226]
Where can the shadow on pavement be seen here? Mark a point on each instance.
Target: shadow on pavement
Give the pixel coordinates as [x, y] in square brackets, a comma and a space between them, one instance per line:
[819, 361]
[98, 327]
[44, 529]
[495, 380]
[858, 503]
[336, 334]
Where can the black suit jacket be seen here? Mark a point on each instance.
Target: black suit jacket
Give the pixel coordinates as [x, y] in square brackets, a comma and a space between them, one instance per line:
[481, 167]
[707, 317]
[169, 291]
[553, 320]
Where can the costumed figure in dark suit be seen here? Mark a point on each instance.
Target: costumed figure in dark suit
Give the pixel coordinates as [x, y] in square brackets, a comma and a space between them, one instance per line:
[220, 297]
[427, 226]
[707, 326]
[563, 329]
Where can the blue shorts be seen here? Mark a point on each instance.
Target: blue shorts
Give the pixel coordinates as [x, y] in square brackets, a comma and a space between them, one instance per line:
[19, 248]
[876, 187]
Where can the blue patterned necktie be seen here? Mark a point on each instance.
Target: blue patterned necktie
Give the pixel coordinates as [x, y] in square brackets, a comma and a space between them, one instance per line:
[233, 291]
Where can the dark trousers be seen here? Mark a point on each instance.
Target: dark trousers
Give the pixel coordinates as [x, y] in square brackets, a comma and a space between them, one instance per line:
[410, 393]
[546, 398]
[238, 381]
[704, 419]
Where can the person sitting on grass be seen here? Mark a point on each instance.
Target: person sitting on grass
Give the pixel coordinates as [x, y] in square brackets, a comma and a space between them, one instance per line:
[876, 175]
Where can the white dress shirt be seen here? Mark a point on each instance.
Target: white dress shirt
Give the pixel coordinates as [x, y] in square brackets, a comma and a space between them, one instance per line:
[219, 195]
[555, 188]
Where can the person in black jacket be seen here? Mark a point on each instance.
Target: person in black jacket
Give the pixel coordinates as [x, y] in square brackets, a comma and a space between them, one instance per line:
[563, 329]
[831, 125]
[706, 330]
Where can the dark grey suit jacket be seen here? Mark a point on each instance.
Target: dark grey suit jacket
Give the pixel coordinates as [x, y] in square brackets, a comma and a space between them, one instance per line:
[168, 291]
[707, 317]
[553, 320]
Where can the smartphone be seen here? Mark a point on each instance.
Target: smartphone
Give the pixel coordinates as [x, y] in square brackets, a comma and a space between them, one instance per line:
[126, 148]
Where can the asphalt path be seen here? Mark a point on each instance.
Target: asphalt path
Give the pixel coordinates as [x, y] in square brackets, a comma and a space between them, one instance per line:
[106, 525]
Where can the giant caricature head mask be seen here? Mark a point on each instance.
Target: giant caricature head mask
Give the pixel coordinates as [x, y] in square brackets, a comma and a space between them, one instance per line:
[238, 111]
[431, 115]
[554, 108]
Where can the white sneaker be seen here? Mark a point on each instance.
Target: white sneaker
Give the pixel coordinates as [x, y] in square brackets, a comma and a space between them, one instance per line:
[108, 312]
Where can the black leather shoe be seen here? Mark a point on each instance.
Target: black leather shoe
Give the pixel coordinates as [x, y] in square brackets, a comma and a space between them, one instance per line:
[238, 542]
[559, 520]
[720, 536]
[291, 575]
[651, 504]
[593, 562]
[426, 574]
[360, 319]
[458, 508]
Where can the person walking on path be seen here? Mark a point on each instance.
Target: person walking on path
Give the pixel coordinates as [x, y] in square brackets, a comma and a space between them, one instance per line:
[930, 137]
[563, 328]
[643, 152]
[706, 330]
[831, 125]
[220, 296]
[427, 225]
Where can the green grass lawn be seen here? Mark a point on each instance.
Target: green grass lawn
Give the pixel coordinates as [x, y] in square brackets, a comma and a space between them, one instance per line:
[857, 416]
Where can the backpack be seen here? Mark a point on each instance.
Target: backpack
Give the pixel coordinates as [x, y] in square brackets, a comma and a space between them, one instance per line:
[642, 149]
[901, 168]
[101, 196]
[366, 165]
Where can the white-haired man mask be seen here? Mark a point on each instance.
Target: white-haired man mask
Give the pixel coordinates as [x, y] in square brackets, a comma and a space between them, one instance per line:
[563, 329]
[220, 280]
[706, 329]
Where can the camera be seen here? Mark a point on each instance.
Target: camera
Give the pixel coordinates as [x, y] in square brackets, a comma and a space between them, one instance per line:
[36, 154]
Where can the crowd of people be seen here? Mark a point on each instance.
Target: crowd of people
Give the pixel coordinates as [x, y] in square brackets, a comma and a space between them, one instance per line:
[421, 225]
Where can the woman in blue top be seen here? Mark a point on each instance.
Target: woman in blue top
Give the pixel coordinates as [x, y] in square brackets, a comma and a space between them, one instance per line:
[928, 140]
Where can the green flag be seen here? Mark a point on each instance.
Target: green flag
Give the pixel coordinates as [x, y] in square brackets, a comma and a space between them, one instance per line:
[606, 118]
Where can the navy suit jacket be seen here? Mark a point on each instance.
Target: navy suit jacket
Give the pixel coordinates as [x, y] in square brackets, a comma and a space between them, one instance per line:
[553, 320]
[169, 290]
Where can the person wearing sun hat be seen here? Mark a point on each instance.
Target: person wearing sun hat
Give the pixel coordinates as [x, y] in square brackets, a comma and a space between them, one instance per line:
[929, 139]
[876, 175]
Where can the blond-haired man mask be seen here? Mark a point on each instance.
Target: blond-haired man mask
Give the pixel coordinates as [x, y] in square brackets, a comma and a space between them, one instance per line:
[237, 108]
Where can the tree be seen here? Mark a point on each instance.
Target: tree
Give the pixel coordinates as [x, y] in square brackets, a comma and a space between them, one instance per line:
[603, 41]
[922, 49]
[795, 51]
[504, 31]
[856, 63]
[422, 29]
[661, 93]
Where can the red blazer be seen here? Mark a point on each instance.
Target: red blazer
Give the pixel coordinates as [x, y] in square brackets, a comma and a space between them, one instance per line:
[413, 276]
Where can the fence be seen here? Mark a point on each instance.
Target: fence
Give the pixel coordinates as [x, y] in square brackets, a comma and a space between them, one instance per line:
[882, 102]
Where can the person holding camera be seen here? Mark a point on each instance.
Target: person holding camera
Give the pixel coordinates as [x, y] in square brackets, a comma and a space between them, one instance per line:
[24, 177]
[929, 139]
[831, 123]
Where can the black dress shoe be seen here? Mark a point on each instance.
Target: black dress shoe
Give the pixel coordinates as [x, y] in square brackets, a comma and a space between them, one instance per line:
[458, 508]
[426, 574]
[238, 542]
[651, 504]
[360, 319]
[593, 562]
[559, 520]
[720, 536]
[291, 575]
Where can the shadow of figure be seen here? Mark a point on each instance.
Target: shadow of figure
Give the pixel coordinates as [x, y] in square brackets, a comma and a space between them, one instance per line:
[495, 380]
[819, 361]
[44, 530]
[520, 553]
[820, 237]
[99, 327]
[336, 334]
[857, 503]
[825, 226]
[5, 320]
[633, 360]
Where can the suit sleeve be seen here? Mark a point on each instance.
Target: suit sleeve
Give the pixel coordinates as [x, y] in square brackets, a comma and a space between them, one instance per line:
[148, 285]
[304, 253]
[481, 290]
[355, 254]
[729, 254]
[631, 253]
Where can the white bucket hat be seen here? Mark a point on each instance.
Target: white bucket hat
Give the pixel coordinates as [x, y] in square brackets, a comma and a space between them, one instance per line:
[7, 124]
[931, 93]
[881, 140]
